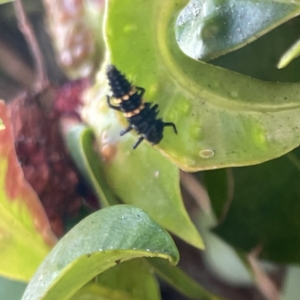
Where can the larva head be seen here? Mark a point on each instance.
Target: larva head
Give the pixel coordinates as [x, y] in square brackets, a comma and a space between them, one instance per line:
[155, 134]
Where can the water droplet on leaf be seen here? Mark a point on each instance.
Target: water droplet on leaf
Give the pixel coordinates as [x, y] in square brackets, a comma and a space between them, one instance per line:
[206, 153]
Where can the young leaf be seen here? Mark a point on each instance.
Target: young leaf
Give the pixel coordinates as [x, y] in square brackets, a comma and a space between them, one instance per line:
[25, 234]
[292, 53]
[102, 240]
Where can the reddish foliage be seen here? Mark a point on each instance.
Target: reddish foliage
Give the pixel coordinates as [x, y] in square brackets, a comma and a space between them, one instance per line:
[16, 187]
[42, 153]
[68, 97]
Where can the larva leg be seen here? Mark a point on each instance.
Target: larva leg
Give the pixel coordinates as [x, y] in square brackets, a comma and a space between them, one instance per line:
[112, 106]
[126, 130]
[138, 142]
[172, 125]
[141, 90]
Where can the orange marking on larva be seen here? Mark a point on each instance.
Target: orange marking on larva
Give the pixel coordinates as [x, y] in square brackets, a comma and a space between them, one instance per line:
[128, 115]
[118, 100]
[132, 113]
[142, 106]
[132, 92]
[125, 97]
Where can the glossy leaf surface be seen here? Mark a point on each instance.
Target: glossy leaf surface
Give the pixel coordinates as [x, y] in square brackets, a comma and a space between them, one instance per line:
[207, 29]
[100, 241]
[25, 234]
[223, 118]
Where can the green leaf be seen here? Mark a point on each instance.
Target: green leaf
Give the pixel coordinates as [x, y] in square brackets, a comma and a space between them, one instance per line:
[102, 240]
[151, 182]
[80, 141]
[265, 209]
[5, 1]
[223, 118]
[25, 234]
[206, 29]
[219, 186]
[131, 280]
[181, 281]
[292, 53]
[94, 292]
[11, 290]
[141, 177]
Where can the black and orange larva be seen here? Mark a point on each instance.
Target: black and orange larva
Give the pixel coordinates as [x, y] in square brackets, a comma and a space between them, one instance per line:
[140, 115]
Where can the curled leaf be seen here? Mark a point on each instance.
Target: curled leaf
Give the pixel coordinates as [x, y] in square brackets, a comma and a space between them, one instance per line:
[100, 241]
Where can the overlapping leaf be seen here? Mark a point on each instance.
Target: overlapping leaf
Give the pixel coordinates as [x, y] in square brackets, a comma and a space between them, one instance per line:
[102, 240]
[129, 280]
[207, 29]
